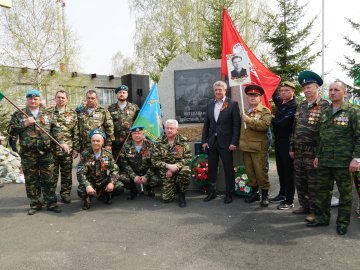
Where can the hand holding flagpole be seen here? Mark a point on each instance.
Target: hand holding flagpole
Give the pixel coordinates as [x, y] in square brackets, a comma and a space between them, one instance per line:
[65, 149]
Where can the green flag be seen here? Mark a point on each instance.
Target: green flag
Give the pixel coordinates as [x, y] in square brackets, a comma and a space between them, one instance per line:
[1, 95]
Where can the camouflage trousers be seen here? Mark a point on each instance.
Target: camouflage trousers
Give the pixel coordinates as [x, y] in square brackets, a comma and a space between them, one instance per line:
[305, 176]
[256, 170]
[177, 183]
[324, 187]
[129, 183]
[63, 162]
[38, 170]
[100, 189]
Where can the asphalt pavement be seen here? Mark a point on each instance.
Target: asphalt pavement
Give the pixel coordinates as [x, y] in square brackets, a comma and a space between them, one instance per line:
[148, 234]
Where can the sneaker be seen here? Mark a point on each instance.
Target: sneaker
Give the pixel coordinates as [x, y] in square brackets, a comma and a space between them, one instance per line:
[285, 206]
[278, 199]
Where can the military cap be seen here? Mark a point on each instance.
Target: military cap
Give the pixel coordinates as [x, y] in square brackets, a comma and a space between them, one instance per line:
[136, 128]
[306, 77]
[32, 93]
[121, 87]
[97, 131]
[254, 89]
[287, 83]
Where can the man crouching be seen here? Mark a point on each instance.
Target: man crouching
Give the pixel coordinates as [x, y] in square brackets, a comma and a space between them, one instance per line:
[172, 157]
[97, 172]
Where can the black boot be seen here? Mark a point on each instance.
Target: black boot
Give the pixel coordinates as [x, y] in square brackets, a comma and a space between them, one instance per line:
[253, 196]
[264, 198]
[150, 191]
[107, 198]
[87, 203]
[133, 194]
[181, 199]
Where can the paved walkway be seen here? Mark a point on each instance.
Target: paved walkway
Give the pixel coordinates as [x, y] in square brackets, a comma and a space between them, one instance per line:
[147, 234]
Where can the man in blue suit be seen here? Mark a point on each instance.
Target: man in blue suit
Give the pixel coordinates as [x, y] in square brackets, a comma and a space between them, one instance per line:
[220, 137]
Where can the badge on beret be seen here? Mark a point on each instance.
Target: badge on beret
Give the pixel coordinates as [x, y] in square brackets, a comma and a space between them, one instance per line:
[97, 131]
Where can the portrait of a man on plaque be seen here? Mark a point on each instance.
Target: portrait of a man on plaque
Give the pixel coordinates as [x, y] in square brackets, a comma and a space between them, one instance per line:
[238, 69]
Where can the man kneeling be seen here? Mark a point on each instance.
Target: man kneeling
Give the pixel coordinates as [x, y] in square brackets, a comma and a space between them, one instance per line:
[172, 157]
[97, 172]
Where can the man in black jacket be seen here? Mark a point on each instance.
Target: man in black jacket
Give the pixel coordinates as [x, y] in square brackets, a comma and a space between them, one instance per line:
[282, 126]
[220, 137]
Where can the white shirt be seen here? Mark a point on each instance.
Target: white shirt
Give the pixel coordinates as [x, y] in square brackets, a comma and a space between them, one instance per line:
[217, 108]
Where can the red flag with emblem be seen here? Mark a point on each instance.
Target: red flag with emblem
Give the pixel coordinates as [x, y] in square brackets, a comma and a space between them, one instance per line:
[234, 45]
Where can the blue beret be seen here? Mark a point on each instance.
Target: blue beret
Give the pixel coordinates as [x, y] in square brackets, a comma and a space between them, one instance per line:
[306, 77]
[32, 93]
[97, 131]
[136, 128]
[121, 87]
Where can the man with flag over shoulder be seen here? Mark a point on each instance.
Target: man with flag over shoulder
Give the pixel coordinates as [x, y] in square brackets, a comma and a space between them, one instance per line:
[36, 153]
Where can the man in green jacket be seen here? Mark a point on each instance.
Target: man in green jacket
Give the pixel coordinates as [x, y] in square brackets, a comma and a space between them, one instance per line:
[338, 155]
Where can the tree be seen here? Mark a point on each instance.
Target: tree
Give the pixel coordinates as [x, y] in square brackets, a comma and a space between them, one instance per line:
[165, 29]
[290, 48]
[122, 65]
[352, 66]
[33, 35]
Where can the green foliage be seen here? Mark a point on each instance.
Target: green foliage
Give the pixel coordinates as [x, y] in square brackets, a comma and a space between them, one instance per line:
[290, 48]
[166, 29]
[352, 66]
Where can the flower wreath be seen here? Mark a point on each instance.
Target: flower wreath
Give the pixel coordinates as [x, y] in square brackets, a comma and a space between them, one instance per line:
[200, 169]
[241, 180]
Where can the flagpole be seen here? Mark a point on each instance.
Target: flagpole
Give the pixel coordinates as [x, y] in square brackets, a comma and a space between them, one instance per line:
[242, 102]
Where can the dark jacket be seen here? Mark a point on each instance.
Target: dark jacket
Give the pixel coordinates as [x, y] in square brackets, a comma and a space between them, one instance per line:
[284, 117]
[227, 128]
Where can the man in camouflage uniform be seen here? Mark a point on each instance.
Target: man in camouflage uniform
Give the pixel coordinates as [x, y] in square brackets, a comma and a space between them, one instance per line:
[66, 119]
[338, 155]
[36, 155]
[123, 114]
[303, 142]
[97, 172]
[172, 157]
[93, 116]
[135, 161]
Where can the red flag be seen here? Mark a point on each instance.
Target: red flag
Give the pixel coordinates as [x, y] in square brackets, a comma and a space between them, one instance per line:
[233, 44]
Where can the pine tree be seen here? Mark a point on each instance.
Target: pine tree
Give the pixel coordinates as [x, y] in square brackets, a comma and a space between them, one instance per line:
[290, 53]
[351, 67]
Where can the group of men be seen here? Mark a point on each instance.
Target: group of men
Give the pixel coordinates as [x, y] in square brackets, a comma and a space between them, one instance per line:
[316, 143]
[113, 154]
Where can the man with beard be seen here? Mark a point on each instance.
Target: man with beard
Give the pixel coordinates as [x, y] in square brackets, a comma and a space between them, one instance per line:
[123, 114]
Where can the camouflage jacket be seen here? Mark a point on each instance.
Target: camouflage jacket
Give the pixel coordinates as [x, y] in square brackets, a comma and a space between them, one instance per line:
[31, 137]
[123, 119]
[68, 123]
[305, 128]
[98, 118]
[134, 163]
[92, 171]
[179, 153]
[339, 136]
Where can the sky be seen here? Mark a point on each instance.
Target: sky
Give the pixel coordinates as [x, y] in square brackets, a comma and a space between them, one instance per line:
[105, 27]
